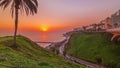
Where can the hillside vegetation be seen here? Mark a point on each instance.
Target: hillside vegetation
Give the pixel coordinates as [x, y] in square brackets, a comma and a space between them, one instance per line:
[93, 47]
[27, 54]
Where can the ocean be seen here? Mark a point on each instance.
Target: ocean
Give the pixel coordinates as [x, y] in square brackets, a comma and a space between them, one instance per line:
[54, 36]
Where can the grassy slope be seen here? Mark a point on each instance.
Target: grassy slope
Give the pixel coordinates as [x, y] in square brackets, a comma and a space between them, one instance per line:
[89, 46]
[29, 55]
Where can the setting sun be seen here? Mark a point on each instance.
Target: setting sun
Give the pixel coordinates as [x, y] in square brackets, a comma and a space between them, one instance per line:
[44, 29]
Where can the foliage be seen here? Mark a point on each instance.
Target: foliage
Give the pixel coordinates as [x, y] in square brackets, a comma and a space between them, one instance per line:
[98, 59]
[28, 6]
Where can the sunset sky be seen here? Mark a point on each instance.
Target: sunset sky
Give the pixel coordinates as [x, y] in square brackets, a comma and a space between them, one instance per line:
[58, 15]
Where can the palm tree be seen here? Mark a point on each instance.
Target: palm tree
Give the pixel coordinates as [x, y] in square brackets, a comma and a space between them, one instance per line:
[115, 25]
[27, 6]
[94, 27]
[102, 25]
[84, 27]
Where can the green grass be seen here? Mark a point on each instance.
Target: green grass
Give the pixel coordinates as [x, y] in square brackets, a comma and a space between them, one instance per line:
[27, 54]
[89, 46]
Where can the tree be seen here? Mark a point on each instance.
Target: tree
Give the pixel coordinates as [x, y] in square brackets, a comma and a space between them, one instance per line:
[27, 6]
[94, 26]
[109, 26]
[84, 27]
[99, 26]
[102, 25]
[115, 25]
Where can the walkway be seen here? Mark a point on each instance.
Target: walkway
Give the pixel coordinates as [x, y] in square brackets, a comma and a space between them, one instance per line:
[80, 61]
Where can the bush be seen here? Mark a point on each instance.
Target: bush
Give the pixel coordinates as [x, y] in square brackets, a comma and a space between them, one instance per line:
[3, 58]
[44, 64]
[98, 59]
[111, 64]
[118, 65]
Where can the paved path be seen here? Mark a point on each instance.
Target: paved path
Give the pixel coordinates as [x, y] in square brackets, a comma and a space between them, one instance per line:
[62, 47]
[83, 62]
[80, 61]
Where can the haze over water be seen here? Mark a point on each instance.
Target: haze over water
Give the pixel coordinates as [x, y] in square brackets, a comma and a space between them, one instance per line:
[38, 36]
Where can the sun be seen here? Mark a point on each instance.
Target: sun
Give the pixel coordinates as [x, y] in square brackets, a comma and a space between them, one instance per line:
[44, 29]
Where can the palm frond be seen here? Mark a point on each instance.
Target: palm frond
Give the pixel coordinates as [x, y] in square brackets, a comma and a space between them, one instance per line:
[27, 6]
[5, 3]
[30, 6]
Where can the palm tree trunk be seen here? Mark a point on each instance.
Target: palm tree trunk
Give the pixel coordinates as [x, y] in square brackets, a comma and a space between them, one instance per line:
[16, 25]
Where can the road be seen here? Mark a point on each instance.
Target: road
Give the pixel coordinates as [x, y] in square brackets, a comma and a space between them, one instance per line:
[71, 58]
[62, 47]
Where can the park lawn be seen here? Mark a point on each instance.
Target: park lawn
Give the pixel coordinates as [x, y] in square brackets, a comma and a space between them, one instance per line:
[89, 46]
[27, 54]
